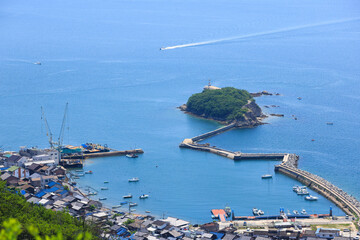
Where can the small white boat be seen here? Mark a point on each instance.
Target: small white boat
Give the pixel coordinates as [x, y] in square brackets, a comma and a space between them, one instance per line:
[299, 98]
[303, 212]
[128, 196]
[79, 170]
[132, 155]
[117, 206]
[311, 198]
[132, 210]
[104, 188]
[37, 63]
[257, 212]
[147, 212]
[330, 123]
[144, 196]
[101, 199]
[296, 212]
[132, 204]
[106, 181]
[92, 193]
[302, 192]
[134, 179]
[266, 176]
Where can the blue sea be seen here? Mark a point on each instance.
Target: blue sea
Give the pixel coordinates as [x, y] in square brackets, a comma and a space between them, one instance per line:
[103, 58]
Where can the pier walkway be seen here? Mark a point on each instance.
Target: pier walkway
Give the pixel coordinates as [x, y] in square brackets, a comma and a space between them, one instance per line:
[288, 166]
[103, 154]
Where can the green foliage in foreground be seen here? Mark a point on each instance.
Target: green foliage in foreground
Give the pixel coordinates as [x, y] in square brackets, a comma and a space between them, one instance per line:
[47, 222]
[11, 230]
[223, 104]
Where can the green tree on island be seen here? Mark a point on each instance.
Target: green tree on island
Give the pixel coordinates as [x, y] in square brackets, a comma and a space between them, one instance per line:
[225, 104]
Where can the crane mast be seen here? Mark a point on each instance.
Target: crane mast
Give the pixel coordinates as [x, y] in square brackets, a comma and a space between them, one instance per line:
[53, 144]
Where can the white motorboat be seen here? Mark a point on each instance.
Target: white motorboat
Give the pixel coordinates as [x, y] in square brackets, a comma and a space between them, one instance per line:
[144, 196]
[135, 179]
[128, 196]
[311, 198]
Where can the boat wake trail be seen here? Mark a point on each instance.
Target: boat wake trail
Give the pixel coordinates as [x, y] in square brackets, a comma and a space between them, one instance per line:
[282, 30]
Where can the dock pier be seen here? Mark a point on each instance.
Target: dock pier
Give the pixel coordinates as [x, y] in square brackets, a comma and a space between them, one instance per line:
[103, 154]
[288, 166]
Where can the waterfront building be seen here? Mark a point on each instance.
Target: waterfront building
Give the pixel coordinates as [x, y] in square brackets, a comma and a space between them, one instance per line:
[18, 172]
[328, 233]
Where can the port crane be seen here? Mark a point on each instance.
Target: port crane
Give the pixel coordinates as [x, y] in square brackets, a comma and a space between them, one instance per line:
[55, 144]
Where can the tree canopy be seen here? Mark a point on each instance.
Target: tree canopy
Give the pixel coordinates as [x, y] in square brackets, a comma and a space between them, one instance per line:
[48, 222]
[225, 104]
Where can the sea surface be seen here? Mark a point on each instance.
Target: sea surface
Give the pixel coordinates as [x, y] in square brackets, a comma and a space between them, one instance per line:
[103, 58]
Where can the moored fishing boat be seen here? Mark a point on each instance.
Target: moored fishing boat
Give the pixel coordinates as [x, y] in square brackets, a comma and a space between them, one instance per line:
[101, 199]
[144, 196]
[311, 198]
[135, 179]
[266, 176]
[89, 172]
[132, 204]
[132, 155]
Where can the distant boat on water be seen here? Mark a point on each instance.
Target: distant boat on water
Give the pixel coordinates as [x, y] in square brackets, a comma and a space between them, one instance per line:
[88, 172]
[144, 196]
[330, 123]
[132, 155]
[101, 199]
[132, 204]
[37, 63]
[266, 176]
[135, 179]
[106, 181]
[104, 188]
[311, 198]
[128, 196]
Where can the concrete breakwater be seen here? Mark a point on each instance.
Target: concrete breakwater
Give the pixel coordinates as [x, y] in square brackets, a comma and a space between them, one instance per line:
[104, 154]
[288, 166]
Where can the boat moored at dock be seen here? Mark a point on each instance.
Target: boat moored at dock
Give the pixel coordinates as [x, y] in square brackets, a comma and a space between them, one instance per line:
[132, 155]
[132, 204]
[89, 172]
[311, 198]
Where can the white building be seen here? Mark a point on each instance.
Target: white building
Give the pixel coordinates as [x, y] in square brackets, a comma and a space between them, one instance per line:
[327, 233]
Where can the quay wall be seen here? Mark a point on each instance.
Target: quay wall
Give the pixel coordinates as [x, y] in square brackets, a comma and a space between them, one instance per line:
[248, 156]
[289, 167]
[213, 133]
[112, 153]
[349, 205]
[103, 154]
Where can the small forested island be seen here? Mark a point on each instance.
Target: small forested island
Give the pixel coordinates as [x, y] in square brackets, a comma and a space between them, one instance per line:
[225, 105]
